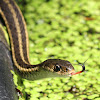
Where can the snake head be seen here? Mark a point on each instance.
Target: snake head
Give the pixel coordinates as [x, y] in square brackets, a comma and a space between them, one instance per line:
[61, 67]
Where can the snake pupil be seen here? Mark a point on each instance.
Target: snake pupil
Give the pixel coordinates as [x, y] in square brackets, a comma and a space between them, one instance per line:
[57, 68]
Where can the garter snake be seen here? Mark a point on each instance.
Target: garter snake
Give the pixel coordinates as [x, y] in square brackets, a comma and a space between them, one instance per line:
[17, 31]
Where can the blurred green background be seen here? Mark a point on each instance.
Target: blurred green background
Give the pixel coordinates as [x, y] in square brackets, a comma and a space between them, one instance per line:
[69, 30]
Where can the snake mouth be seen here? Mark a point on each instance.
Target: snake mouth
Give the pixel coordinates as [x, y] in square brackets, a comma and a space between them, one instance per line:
[72, 71]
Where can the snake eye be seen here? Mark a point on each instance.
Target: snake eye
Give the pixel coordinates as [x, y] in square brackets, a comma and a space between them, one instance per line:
[66, 69]
[57, 68]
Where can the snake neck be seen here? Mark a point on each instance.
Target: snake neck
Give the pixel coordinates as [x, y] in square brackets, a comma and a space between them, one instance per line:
[17, 31]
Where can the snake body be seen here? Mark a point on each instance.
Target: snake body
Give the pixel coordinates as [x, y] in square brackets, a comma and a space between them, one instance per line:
[18, 34]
